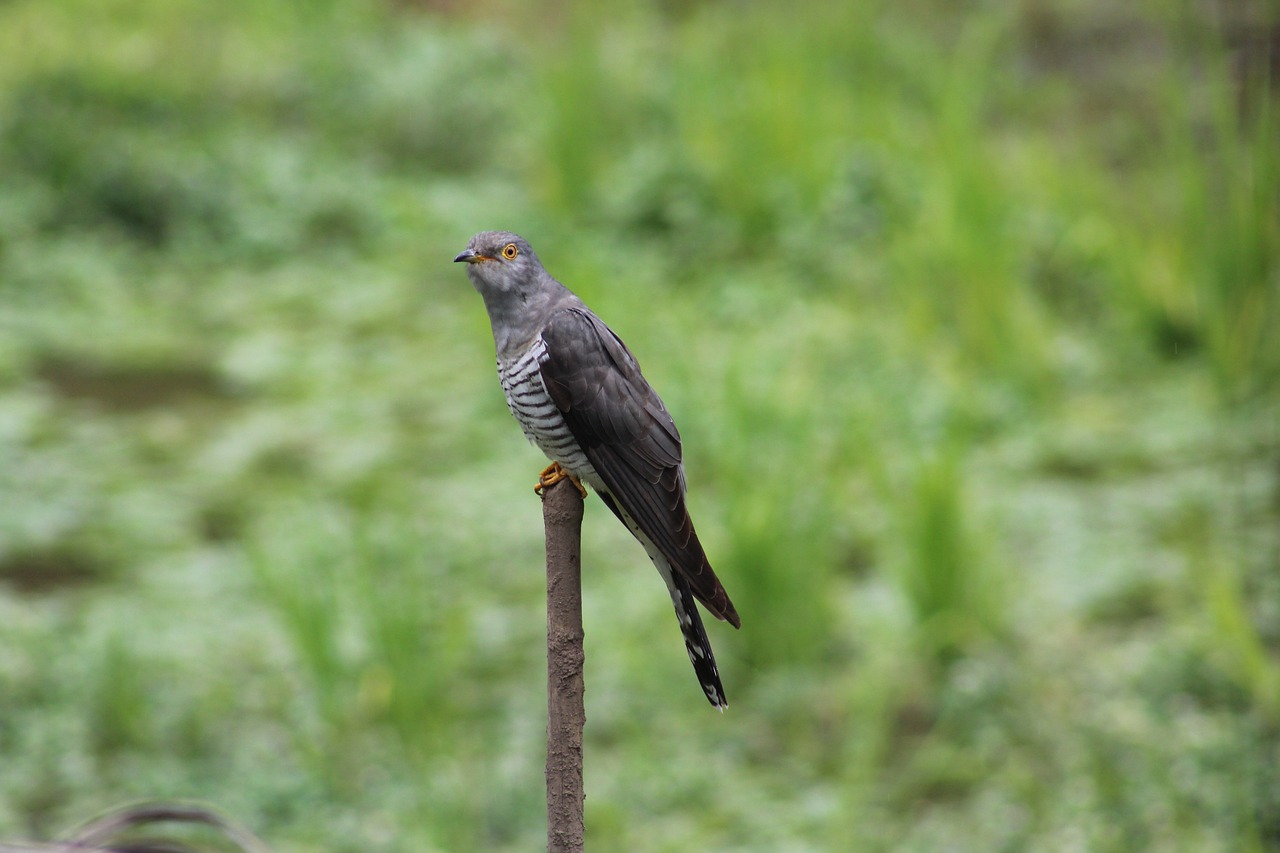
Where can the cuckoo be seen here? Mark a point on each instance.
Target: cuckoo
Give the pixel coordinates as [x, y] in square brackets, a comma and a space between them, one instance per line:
[579, 396]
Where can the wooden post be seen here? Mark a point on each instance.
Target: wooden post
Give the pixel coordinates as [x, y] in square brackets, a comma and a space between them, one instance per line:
[562, 517]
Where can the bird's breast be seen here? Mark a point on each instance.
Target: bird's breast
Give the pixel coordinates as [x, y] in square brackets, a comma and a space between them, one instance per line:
[536, 412]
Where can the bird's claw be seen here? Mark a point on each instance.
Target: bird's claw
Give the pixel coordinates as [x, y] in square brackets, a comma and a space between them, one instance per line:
[553, 474]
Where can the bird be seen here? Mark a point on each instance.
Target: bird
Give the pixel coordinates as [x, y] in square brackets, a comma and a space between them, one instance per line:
[579, 396]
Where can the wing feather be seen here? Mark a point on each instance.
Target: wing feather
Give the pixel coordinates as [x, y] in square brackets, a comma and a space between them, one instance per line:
[630, 439]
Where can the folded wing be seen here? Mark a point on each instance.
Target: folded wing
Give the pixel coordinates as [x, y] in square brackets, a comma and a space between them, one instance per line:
[631, 441]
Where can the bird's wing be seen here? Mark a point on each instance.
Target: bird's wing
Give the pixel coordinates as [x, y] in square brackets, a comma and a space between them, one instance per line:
[630, 440]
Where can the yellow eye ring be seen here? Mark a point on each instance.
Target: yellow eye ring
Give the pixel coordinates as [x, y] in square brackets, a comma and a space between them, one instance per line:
[510, 251]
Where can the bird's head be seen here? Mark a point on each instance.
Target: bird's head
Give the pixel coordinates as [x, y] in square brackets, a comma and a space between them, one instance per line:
[500, 262]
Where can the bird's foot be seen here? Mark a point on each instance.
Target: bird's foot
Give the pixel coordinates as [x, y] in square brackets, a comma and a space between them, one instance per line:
[553, 474]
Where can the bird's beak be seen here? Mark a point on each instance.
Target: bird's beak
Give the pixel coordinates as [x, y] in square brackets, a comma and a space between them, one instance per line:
[470, 256]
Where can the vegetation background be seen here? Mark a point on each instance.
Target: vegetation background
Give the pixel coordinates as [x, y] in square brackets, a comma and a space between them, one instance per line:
[967, 311]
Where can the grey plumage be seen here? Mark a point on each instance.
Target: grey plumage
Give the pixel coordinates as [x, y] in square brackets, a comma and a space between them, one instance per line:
[579, 395]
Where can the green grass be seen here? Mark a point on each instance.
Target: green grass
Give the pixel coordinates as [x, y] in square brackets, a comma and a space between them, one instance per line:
[967, 315]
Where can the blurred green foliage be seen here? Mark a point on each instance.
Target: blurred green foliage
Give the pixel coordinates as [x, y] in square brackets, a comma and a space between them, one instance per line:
[968, 314]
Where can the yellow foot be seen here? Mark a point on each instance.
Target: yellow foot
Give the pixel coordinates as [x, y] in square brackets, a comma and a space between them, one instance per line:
[553, 474]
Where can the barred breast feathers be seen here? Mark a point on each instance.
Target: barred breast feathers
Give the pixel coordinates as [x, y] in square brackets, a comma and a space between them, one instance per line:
[535, 411]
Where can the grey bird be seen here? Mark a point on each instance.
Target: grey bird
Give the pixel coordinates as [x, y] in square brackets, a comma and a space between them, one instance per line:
[579, 396]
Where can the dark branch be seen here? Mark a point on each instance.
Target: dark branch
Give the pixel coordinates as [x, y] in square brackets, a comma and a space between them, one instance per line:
[562, 516]
[111, 832]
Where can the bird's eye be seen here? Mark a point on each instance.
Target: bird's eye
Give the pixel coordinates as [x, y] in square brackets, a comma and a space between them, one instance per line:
[510, 251]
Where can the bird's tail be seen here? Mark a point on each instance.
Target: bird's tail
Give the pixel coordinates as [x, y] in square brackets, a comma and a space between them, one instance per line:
[695, 635]
[682, 597]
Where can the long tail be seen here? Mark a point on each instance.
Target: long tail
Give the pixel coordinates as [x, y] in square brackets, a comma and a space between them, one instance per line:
[682, 597]
[695, 636]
